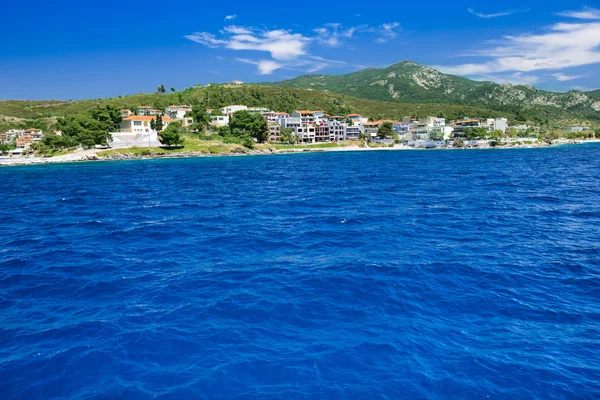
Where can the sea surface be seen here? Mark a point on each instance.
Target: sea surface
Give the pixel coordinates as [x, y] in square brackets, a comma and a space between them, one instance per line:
[468, 274]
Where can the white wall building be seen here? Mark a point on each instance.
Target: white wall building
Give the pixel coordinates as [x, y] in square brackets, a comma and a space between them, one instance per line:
[497, 124]
[233, 108]
[141, 123]
[219, 120]
[177, 112]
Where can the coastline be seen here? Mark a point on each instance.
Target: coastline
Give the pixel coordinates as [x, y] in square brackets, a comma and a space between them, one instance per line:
[92, 154]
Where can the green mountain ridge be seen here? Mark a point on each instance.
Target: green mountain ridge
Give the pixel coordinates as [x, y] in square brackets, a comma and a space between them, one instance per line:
[593, 94]
[409, 82]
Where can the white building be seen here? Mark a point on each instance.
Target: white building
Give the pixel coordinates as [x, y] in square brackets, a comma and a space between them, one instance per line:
[220, 120]
[258, 110]
[497, 124]
[177, 112]
[141, 123]
[144, 110]
[126, 113]
[234, 108]
[237, 82]
[357, 119]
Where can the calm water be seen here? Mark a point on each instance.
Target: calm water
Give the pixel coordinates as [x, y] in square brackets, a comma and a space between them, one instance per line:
[407, 274]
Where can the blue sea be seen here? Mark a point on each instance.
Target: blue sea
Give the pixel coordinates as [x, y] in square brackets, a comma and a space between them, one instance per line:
[356, 275]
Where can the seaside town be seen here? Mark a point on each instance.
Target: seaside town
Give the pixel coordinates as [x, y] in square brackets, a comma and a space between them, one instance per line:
[137, 128]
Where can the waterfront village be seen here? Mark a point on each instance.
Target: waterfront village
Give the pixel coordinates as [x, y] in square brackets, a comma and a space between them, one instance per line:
[308, 127]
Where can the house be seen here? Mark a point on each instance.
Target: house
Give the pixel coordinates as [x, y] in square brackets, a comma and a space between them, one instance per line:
[273, 117]
[177, 112]
[371, 129]
[24, 141]
[232, 109]
[337, 130]
[144, 110]
[419, 131]
[357, 119]
[290, 122]
[141, 123]
[258, 110]
[306, 116]
[274, 132]
[462, 124]
[219, 121]
[497, 124]
[126, 113]
[305, 134]
[237, 82]
[576, 129]
[35, 134]
[353, 132]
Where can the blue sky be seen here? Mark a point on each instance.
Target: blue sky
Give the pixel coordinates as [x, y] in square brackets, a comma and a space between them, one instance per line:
[73, 50]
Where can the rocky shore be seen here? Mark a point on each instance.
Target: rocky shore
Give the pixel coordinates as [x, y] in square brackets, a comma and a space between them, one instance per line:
[92, 155]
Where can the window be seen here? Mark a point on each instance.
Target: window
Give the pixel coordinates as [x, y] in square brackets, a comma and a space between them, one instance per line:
[137, 123]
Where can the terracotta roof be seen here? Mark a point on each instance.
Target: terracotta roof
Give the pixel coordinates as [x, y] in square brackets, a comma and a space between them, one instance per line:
[145, 118]
[144, 107]
[353, 115]
[305, 112]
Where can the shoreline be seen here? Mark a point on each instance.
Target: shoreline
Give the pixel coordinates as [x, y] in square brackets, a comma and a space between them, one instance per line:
[91, 155]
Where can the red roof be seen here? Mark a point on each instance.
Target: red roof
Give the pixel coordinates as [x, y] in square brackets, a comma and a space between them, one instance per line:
[145, 118]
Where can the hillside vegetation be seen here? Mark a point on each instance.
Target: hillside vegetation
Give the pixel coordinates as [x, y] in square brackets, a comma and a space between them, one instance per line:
[409, 82]
[594, 94]
[43, 114]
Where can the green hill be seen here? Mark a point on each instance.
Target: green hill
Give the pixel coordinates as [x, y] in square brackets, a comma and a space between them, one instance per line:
[409, 82]
[43, 114]
[593, 94]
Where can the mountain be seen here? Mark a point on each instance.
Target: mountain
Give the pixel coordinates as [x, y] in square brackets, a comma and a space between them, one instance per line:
[409, 82]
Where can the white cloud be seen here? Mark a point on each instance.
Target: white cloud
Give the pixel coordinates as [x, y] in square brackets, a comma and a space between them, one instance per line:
[237, 30]
[206, 39]
[560, 46]
[563, 78]
[230, 17]
[586, 13]
[265, 67]
[495, 15]
[288, 50]
[281, 44]
[387, 32]
[331, 35]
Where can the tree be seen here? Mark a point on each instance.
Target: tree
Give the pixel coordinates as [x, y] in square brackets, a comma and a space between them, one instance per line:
[243, 123]
[287, 136]
[201, 118]
[172, 89]
[161, 89]
[223, 131]
[512, 132]
[436, 135]
[385, 130]
[496, 134]
[88, 129]
[171, 136]
[158, 125]
[6, 147]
